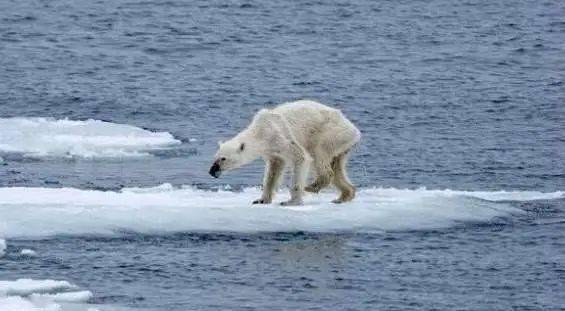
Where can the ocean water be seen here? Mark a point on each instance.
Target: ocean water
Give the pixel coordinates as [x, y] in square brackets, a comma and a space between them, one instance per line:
[110, 112]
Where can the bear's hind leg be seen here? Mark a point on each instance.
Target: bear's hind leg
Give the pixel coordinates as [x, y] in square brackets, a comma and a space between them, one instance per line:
[341, 181]
[335, 141]
[273, 173]
[324, 172]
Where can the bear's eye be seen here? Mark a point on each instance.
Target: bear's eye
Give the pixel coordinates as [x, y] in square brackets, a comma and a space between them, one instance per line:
[241, 147]
[222, 159]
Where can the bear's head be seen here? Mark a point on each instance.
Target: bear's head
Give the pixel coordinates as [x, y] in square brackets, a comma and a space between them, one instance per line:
[231, 155]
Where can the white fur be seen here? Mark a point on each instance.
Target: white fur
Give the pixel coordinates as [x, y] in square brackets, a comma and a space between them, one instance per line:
[297, 133]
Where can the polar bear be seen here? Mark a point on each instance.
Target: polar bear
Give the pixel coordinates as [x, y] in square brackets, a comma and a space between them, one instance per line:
[296, 134]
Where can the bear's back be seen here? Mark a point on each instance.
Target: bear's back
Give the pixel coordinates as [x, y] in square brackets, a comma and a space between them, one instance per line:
[302, 106]
[306, 113]
[309, 119]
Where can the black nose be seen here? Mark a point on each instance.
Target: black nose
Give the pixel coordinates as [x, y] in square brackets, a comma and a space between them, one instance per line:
[215, 170]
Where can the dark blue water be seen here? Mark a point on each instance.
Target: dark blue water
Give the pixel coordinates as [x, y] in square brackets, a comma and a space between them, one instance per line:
[464, 95]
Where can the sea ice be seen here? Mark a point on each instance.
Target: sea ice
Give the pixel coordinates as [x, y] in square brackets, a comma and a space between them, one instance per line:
[39, 137]
[38, 212]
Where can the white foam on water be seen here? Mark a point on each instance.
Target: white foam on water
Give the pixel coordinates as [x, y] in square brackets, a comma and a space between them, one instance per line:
[41, 212]
[39, 137]
[45, 295]
[28, 252]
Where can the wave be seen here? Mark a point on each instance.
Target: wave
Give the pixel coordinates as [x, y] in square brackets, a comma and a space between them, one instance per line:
[41, 212]
[41, 137]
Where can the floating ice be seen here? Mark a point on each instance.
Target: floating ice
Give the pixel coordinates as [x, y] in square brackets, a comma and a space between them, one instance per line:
[65, 138]
[25, 287]
[47, 295]
[38, 212]
[78, 296]
[21, 304]
[498, 196]
[42, 295]
[2, 247]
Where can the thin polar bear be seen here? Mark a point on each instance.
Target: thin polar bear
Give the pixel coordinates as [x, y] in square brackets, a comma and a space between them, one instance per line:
[298, 134]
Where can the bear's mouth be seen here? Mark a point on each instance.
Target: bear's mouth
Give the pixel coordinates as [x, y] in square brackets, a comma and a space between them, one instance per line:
[215, 170]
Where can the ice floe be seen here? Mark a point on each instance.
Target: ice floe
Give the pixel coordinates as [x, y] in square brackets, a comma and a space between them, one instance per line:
[39, 212]
[47, 295]
[42, 295]
[39, 137]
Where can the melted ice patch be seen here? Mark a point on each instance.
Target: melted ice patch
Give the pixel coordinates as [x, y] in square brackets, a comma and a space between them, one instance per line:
[38, 212]
[39, 137]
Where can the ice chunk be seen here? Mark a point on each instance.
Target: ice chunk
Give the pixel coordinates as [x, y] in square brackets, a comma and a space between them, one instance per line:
[45, 295]
[19, 304]
[24, 287]
[37, 212]
[79, 296]
[2, 247]
[91, 138]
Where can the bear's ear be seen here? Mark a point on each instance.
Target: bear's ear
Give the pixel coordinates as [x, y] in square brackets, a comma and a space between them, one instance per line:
[241, 147]
[220, 142]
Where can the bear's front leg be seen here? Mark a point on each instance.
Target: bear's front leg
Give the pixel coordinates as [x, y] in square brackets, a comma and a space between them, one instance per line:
[300, 171]
[273, 172]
